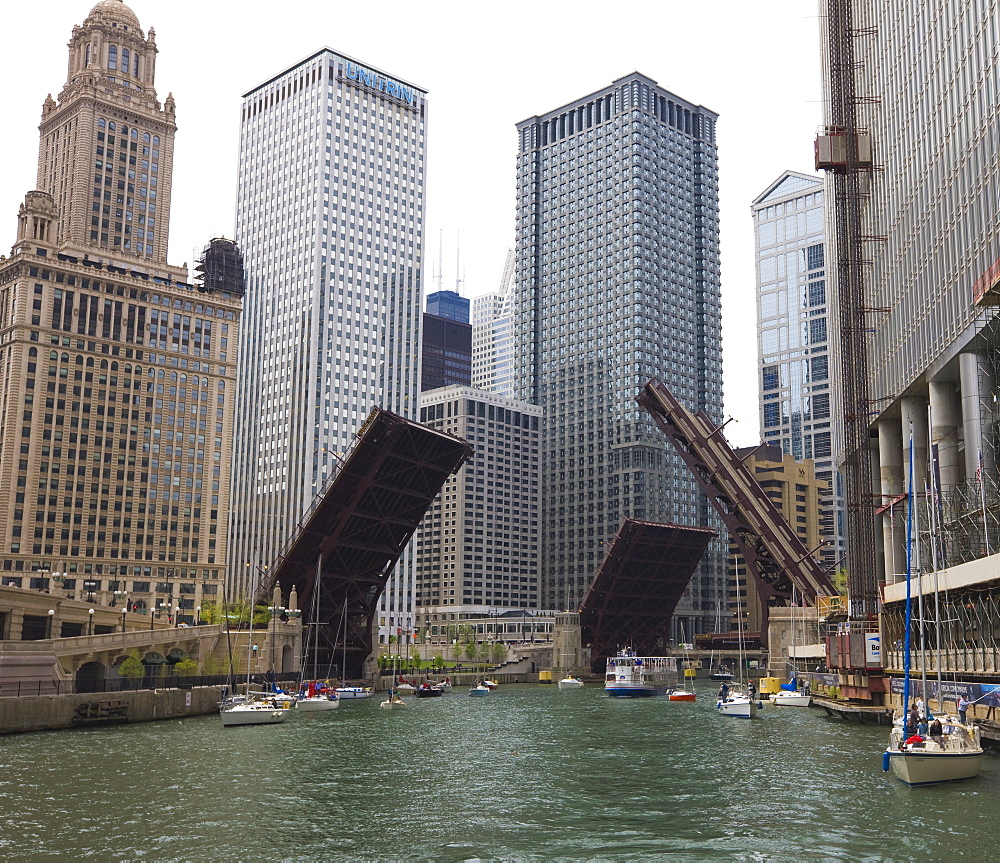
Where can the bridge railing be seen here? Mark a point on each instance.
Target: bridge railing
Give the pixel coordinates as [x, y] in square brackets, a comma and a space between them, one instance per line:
[25, 688]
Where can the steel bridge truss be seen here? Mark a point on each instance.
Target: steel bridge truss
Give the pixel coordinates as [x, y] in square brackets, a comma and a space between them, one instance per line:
[775, 556]
[638, 584]
[349, 540]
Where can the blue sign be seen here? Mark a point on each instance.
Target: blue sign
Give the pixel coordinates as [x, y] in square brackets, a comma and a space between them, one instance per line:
[354, 72]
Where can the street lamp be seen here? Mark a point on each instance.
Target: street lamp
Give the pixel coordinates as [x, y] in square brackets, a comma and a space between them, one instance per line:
[52, 613]
[123, 594]
[124, 612]
[90, 586]
[197, 615]
[177, 613]
[90, 614]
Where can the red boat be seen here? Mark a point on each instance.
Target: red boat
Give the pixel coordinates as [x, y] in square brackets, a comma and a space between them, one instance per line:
[680, 695]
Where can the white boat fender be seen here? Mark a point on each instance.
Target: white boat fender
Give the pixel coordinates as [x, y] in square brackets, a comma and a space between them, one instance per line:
[885, 762]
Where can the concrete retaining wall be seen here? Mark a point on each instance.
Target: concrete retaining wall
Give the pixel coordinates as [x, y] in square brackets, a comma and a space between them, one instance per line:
[39, 713]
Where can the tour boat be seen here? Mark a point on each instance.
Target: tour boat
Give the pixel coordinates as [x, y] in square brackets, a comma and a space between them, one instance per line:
[570, 683]
[948, 749]
[631, 676]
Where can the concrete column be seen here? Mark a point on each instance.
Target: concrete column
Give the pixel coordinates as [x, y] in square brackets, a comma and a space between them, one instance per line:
[945, 411]
[913, 410]
[977, 419]
[876, 491]
[890, 450]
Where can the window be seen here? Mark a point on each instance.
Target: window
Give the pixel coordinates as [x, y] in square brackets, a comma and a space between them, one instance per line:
[817, 293]
[819, 368]
[770, 378]
[112, 56]
[821, 445]
[814, 257]
[817, 331]
[821, 406]
[772, 416]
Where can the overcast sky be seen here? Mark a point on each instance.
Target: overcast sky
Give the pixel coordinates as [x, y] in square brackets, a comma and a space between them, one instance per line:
[486, 66]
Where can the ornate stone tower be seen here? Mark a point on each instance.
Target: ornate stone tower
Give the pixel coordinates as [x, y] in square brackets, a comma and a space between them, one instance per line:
[106, 149]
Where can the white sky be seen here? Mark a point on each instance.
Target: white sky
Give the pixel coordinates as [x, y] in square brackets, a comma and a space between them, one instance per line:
[486, 66]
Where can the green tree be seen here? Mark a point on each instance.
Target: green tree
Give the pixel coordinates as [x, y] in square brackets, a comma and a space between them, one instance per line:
[186, 667]
[212, 665]
[415, 660]
[384, 662]
[131, 667]
[437, 661]
[471, 650]
[498, 653]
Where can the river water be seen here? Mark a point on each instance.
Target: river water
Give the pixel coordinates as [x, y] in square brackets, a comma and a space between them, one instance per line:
[529, 773]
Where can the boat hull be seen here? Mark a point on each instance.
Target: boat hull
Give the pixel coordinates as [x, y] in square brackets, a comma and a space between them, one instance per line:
[633, 691]
[929, 768]
[429, 693]
[318, 704]
[741, 708]
[479, 692]
[570, 683]
[681, 695]
[790, 699]
[350, 692]
[245, 714]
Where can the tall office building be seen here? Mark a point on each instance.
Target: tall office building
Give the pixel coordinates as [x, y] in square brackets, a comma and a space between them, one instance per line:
[118, 378]
[617, 282]
[795, 488]
[330, 218]
[448, 304]
[493, 336]
[793, 337]
[927, 231]
[477, 549]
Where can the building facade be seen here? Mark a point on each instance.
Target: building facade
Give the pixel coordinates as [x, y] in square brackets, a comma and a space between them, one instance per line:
[330, 217]
[117, 387]
[794, 330]
[617, 282]
[477, 548]
[796, 489]
[493, 336]
[446, 353]
[928, 227]
[449, 304]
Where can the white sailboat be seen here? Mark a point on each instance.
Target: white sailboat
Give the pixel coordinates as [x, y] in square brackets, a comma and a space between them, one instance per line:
[796, 696]
[936, 750]
[393, 702]
[349, 693]
[316, 698]
[736, 699]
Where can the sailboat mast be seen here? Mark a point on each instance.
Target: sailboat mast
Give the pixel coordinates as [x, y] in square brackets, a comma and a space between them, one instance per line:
[909, 599]
[935, 527]
[920, 608]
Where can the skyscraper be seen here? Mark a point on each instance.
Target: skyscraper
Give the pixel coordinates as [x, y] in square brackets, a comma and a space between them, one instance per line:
[617, 282]
[330, 219]
[493, 337]
[448, 304]
[793, 336]
[916, 213]
[118, 397]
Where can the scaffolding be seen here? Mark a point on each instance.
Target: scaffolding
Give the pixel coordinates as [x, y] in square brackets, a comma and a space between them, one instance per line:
[220, 267]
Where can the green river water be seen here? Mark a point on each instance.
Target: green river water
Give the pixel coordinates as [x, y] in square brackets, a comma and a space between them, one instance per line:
[529, 773]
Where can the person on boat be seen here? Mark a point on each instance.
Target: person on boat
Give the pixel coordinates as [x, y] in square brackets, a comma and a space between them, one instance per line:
[723, 691]
[963, 708]
[805, 688]
[752, 689]
[912, 721]
[935, 730]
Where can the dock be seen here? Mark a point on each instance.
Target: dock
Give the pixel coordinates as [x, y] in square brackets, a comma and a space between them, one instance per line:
[861, 713]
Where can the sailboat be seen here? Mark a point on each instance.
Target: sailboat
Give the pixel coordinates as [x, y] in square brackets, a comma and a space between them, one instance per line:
[720, 672]
[252, 709]
[394, 701]
[790, 695]
[316, 697]
[736, 700]
[349, 692]
[937, 750]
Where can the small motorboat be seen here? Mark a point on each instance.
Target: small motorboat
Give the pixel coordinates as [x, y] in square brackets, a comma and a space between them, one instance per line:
[490, 684]
[740, 706]
[252, 713]
[429, 690]
[479, 691]
[680, 695]
[406, 687]
[790, 698]
[570, 683]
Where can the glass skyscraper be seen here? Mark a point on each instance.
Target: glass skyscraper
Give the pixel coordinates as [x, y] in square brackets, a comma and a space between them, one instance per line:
[492, 336]
[617, 282]
[330, 218]
[793, 334]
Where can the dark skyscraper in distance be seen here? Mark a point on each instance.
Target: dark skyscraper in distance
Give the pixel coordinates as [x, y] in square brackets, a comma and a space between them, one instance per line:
[617, 282]
[446, 355]
[448, 304]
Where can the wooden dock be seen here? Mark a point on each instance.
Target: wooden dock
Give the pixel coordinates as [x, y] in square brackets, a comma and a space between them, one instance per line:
[862, 713]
